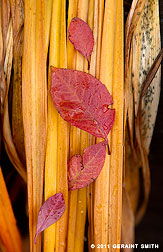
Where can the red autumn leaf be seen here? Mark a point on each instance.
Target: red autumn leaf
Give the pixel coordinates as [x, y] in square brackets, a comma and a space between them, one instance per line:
[83, 171]
[81, 37]
[50, 212]
[82, 100]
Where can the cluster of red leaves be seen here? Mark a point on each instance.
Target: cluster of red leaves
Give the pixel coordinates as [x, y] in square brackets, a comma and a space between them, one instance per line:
[83, 101]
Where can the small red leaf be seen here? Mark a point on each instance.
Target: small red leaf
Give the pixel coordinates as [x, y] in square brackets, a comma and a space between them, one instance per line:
[50, 212]
[81, 37]
[83, 171]
[82, 100]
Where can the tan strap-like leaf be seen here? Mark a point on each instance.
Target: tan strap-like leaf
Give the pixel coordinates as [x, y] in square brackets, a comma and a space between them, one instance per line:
[139, 141]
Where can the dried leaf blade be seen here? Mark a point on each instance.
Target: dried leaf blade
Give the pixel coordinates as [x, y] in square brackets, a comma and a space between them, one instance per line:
[139, 138]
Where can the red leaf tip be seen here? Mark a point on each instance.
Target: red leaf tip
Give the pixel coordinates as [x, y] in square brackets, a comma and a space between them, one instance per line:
[50, 212]
[81, 36]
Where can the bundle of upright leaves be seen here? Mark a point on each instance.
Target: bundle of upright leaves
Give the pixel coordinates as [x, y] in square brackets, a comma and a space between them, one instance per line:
[84, 102]
[44, 20]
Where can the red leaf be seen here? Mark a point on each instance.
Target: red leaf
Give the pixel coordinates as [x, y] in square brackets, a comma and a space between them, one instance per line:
[50, 212]
[82, 100]
[81, 37]
[83, 171]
